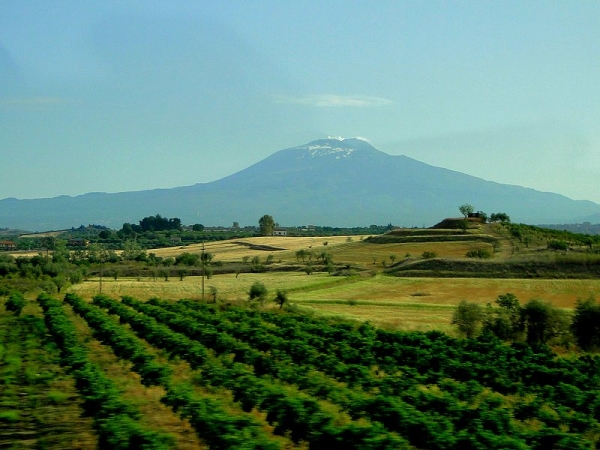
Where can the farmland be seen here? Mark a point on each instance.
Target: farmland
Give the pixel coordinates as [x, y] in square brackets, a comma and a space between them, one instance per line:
[363, 354]
[163, 374]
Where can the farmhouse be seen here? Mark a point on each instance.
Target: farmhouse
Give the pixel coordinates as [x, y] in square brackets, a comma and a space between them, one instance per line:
[7, 245]
[279, 231]
[78, 242]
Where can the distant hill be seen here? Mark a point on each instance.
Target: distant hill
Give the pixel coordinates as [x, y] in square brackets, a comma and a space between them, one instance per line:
[327, 182]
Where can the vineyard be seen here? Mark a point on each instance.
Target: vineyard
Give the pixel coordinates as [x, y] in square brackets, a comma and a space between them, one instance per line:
[238, 378]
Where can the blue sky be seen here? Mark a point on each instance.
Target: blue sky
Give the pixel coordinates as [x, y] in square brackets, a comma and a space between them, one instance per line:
[118, 96]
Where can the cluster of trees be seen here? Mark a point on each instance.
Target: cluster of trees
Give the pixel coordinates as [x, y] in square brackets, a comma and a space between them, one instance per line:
[467, 210]
[554, 239]
[152, 223]
[536, 323]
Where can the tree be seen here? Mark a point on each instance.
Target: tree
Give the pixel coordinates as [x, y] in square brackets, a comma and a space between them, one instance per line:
[281, 298]
[266, 224]
[500, 217]
[506, 321]
[586, 324]
[466, 209]
[543, 322]
[257, 292]
[467, 318]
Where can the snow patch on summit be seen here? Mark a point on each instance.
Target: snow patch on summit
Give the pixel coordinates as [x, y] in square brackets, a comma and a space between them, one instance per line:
[322, 150]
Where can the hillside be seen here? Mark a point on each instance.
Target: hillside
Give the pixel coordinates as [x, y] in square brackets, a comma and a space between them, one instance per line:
[329, 182]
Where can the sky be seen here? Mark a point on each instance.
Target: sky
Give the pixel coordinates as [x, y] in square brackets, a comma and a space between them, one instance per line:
[117, 96]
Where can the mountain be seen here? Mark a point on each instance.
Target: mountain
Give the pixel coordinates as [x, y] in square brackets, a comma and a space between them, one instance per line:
[336, 182]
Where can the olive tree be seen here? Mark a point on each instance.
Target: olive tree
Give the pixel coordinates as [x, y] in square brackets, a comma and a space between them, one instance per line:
[466, 209]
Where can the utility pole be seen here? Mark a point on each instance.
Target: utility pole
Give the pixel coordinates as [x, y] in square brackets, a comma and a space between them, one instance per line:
[101, 265]
[203, 262]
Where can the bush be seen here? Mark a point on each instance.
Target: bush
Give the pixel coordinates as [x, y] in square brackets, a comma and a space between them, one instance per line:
[15, 303]
[558, 245]
[479, 253]
[429, 255]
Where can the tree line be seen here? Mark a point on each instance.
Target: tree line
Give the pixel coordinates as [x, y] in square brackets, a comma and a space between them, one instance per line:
[535, 323]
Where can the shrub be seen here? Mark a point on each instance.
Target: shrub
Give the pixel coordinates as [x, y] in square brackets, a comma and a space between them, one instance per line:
[557, 245]
[479, 253]
[429, 255]
[15, 303]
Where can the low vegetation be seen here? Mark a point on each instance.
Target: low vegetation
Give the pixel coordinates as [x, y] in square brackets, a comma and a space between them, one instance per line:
[472, 334]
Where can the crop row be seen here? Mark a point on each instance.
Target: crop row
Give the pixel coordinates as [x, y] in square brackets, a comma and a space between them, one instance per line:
[300, 415]
[434, 420]
[116, 421]
[210, 419]
[456, 367]
[421, 358]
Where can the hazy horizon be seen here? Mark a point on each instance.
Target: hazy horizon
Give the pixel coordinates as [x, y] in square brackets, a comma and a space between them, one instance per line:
[128, 96]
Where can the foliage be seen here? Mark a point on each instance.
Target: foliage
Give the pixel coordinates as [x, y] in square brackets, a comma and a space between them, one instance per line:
[116, 420]
[266, 224]
[466, 209]
[257, 292]
[15, 303]
[505, 322]
[555, 244]
[428, 255]
[586, 324]
[468, 317]
[281, 298]
[543, 322]
[479, 253]
[499, 217]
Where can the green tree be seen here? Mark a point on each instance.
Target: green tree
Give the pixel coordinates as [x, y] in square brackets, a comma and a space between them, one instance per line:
[132, 251]
[15, 303]
[281, 298]
[543, 322]
[467, 317]
[266, 224]
[257, 292]
[506, 321]
[466, 209]
[586, 324]
[500, 217]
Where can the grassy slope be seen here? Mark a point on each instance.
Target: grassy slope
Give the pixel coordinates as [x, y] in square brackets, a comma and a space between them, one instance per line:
[408, 303]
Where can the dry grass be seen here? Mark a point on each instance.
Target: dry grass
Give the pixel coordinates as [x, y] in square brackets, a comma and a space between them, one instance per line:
[364, 253]
[229, 286]
[353, 251]
[236, 249]
[406, 303]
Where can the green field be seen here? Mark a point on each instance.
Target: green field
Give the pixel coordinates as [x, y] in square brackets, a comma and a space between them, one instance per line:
[189, 375]
[355, 360]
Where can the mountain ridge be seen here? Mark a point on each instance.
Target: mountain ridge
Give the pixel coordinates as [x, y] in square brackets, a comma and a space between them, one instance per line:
[338, 182]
